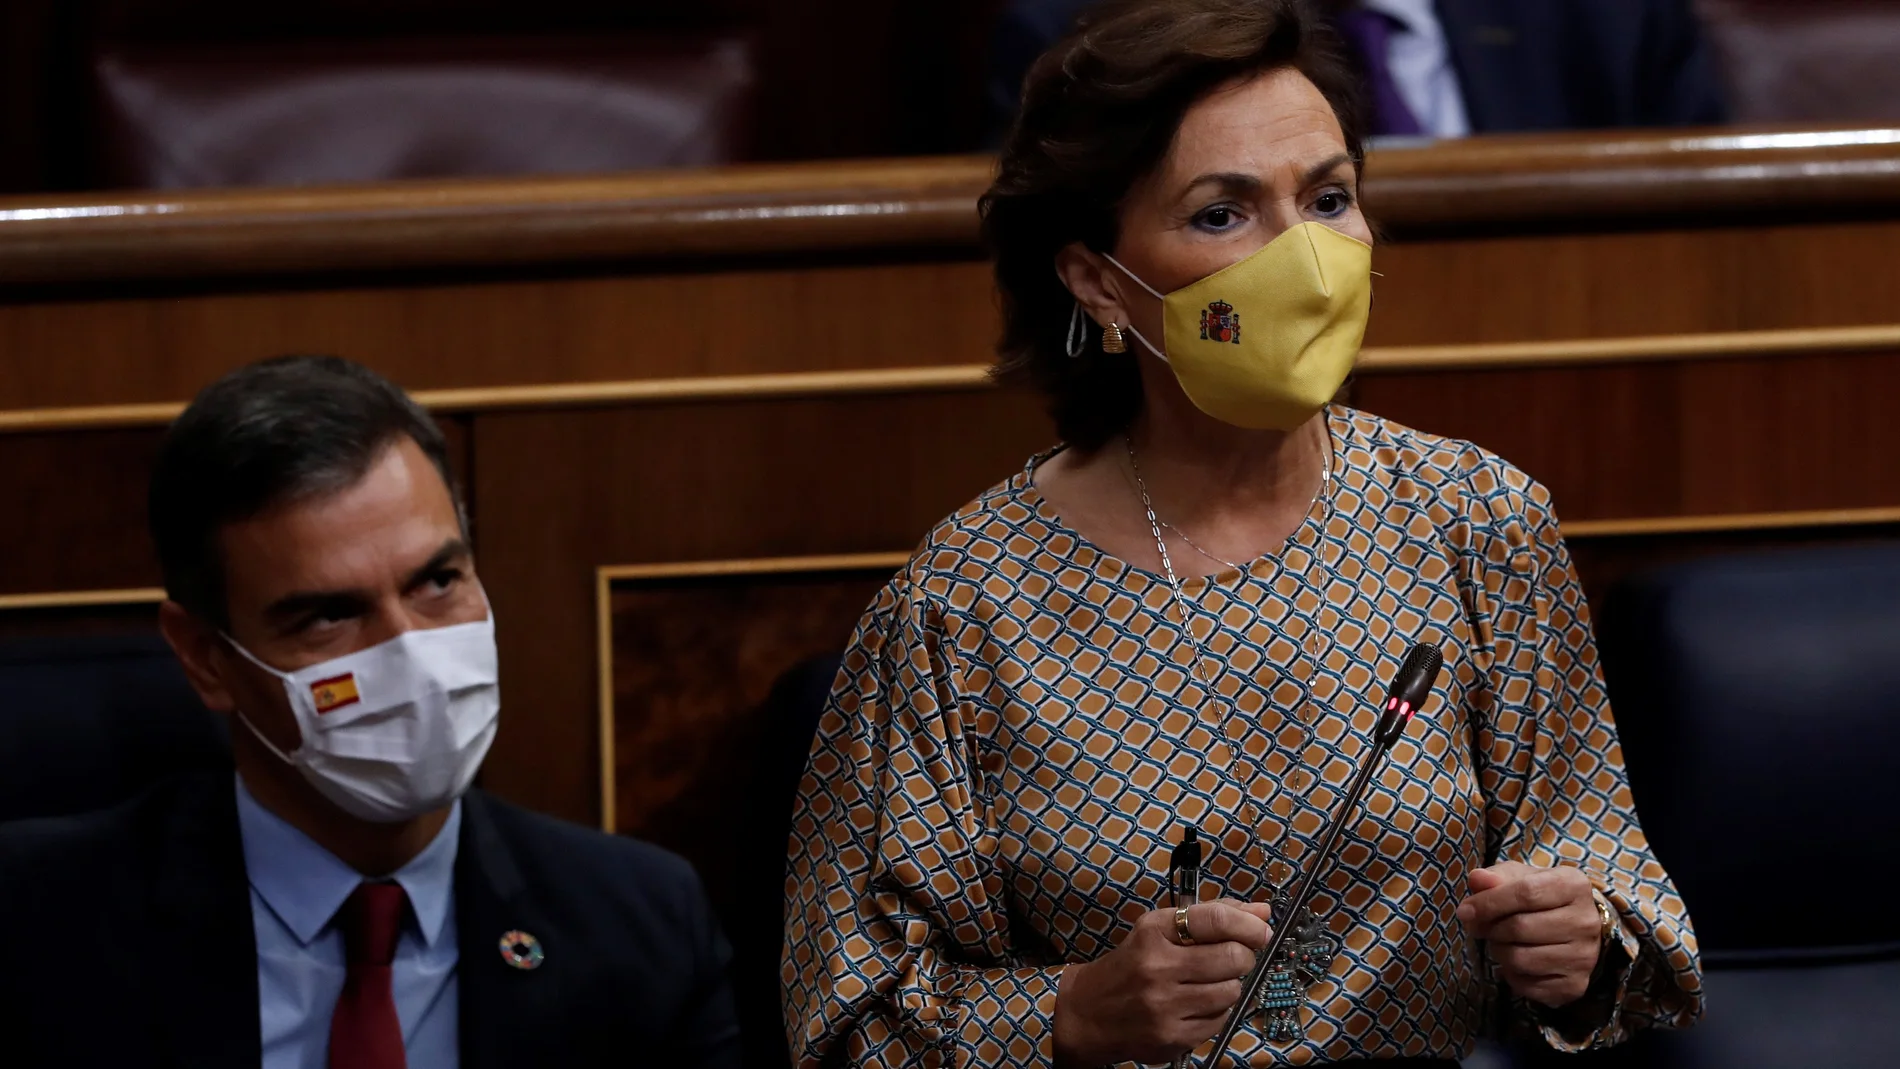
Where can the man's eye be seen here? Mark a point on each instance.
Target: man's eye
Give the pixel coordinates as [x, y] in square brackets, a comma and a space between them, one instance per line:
[1332, 203]
[443, 580]
[317, 623]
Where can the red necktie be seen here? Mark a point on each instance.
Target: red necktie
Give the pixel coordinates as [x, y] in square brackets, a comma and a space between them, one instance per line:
[364, 1033]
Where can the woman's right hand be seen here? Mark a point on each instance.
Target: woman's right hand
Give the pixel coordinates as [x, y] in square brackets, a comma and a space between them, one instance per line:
[1152, 999]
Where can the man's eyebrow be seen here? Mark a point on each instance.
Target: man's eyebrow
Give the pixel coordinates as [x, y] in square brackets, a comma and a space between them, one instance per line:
[336, 603]
[345, 603]
[452, 550]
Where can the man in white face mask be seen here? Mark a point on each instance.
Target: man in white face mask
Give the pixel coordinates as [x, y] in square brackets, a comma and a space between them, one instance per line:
[346, 900]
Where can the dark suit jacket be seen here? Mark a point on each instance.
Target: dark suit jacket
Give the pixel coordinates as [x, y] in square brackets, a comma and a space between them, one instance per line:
[131, 942]
[1523, 64]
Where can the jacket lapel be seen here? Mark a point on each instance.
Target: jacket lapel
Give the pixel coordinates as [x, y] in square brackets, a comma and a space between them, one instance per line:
[202, 964]
[510, 1016]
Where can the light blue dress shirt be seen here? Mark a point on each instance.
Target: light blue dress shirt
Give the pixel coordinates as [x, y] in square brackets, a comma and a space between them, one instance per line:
[297, 887]
[1419, 58]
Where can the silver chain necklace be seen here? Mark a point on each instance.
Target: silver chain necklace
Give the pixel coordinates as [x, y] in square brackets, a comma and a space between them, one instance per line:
[1196, 547]
[1155, 523]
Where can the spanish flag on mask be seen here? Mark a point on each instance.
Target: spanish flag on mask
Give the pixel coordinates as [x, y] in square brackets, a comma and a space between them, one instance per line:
[334, 693]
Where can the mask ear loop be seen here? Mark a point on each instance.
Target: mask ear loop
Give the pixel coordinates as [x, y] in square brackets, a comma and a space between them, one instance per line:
[1159, 355]
[1136, 279]
[285, 677]
[1130, 327]
[1078, 334]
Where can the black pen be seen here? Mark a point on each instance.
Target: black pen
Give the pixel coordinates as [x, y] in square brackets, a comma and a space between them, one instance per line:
[1184, 889]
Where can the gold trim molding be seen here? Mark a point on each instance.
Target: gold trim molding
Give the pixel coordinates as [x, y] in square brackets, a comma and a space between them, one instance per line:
[1378, 360]
[705, 569]
[566, 395]
[80, 599]
[1584, 352]
[1731, 522]
[604, 580]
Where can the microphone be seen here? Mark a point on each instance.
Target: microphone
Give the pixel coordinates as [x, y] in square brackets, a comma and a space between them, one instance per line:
[1409, 689]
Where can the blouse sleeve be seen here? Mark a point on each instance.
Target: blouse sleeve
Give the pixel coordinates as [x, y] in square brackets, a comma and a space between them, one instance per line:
[897, 949]
[1552, 770]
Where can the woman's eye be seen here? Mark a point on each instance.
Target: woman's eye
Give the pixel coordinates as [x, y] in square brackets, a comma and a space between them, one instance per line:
[1220, 217]
[1332, 203]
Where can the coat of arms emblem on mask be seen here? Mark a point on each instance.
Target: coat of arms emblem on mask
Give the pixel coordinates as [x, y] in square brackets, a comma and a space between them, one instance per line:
[1219, 322]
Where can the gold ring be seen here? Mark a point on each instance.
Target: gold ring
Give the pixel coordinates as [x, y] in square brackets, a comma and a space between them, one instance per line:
[1606, 918]
[1181, 926]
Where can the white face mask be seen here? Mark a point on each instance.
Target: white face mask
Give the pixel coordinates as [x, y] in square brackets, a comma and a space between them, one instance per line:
[396, 730]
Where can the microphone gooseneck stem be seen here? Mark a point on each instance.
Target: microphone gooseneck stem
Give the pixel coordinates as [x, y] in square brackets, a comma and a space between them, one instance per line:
[1285, 928]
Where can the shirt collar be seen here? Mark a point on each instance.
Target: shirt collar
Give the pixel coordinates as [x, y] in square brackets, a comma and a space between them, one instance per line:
[305, 885]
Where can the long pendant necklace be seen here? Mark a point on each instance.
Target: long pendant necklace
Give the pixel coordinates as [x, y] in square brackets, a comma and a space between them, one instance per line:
[1303, 960]
[1155, 524]
[1196, 547]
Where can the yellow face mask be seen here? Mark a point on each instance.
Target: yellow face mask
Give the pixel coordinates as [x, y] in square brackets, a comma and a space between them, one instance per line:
[1266, 343]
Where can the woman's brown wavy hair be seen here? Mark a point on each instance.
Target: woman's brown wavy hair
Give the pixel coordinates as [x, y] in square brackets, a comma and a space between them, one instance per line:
[1099, 111]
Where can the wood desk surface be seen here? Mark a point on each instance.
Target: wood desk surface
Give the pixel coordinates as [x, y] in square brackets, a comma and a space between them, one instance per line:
[1564, 180]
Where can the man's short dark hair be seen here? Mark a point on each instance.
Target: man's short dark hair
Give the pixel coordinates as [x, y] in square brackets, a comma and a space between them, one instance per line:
[274, 432]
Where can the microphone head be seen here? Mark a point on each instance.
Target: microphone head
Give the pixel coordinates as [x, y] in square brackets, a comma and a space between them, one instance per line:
[1414, 682]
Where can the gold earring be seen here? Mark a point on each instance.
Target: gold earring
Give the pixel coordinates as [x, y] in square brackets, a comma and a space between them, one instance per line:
[1112, 340]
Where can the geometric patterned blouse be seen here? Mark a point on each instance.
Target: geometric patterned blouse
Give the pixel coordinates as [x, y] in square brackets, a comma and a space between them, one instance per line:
[1020, 733]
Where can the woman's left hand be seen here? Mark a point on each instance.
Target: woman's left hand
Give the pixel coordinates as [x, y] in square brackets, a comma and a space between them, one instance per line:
[1540, 925]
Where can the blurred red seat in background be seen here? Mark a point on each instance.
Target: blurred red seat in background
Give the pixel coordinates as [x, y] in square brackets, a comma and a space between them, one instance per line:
[234, 115]
[1835, 61]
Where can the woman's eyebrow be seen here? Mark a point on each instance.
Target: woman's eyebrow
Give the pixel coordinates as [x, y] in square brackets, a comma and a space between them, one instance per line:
[1234, 183]
[1241, 184]
[1321, 170]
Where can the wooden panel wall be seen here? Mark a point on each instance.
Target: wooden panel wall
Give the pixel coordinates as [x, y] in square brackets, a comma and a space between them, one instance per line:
[757, 479]
[781, 318]
[1751, 274]
[75, 511]
[75, 507]
[694, 660]
[1764, 434]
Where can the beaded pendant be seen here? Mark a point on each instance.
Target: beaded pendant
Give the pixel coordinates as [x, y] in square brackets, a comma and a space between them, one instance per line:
[1300, 963]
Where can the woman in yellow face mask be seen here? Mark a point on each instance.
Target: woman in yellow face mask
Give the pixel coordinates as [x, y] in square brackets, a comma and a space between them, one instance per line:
[1182, 619]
